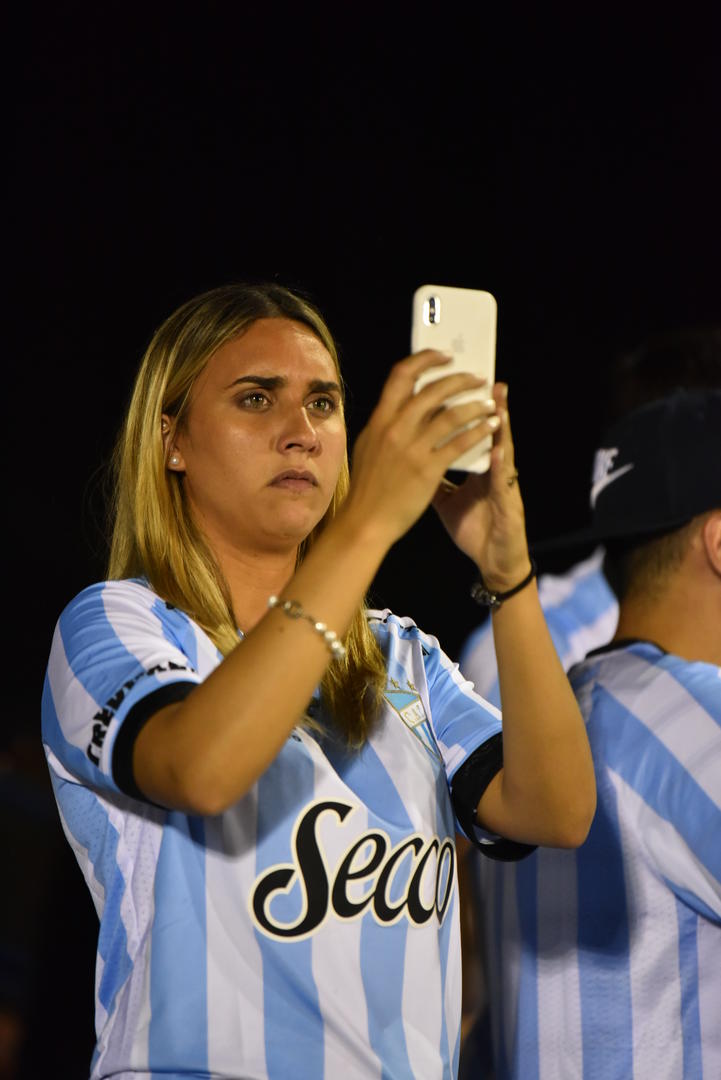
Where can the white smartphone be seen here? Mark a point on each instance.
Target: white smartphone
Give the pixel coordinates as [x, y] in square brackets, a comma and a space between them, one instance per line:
[461, 322]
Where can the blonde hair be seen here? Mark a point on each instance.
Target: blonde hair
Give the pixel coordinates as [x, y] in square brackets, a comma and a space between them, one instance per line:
[153, 532]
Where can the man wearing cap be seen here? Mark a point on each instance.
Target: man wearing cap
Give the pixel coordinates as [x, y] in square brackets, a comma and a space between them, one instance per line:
[606, 961]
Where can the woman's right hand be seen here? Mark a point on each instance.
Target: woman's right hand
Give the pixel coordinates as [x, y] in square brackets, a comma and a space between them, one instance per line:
[409, 443]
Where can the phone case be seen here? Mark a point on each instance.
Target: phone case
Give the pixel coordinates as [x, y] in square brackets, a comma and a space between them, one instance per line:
[461, 322]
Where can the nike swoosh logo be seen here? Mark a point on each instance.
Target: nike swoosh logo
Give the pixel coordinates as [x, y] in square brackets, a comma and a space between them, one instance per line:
[606, 480]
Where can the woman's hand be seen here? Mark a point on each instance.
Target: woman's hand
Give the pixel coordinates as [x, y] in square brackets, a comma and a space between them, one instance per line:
[484, 515]
[410, 441]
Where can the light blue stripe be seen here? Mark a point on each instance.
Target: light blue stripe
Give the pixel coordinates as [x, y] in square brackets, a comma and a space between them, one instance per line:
[604, 946]
[72, 757]
[96, 655]
[90, 827]
[382, 954]
[179, 948]
[693, 902]
[526, 1036]
[634, 752]
[176, 625]
[590, 597]
[294, 1034]
[688, 968]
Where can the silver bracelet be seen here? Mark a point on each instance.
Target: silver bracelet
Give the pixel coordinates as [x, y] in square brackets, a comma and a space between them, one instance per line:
[294, 610]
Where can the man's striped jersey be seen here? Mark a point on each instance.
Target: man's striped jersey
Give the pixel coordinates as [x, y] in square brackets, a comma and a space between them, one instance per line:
[581, 612]
[604, 963]
[309, 931]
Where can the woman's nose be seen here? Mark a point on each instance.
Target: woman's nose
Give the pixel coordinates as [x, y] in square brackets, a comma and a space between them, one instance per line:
[298, 431]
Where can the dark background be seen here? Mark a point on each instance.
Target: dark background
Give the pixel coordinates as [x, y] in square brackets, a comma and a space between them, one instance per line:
[569, 163]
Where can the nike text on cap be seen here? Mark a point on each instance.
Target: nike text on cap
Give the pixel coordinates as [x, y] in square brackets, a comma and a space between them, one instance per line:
[656, 468]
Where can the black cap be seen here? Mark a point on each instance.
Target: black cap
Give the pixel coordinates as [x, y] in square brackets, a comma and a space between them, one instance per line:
[656, 468]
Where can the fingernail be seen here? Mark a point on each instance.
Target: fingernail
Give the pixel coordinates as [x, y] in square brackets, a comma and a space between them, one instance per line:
[493, 422]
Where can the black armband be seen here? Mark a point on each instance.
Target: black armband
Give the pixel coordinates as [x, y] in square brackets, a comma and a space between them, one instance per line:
[132, 725]
[467, 787]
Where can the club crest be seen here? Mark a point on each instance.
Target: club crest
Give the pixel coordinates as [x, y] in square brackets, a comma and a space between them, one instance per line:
[407, 703]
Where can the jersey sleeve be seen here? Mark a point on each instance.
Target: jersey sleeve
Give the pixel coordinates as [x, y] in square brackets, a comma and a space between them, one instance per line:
[468, 732]
[118, 655]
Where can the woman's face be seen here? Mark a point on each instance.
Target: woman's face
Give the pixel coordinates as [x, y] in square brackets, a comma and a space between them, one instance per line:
[264, 438]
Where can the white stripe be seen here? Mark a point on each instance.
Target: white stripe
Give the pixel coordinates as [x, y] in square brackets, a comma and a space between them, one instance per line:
[207, 653]
[336, 947]
[665, 849]
[101, 1018]
[480, 666]
[138, 849]
[709, 969]
[452, 1002]
[555, 589]
[56, 766]
[235, 989]
[581, 641]
[649, 691]
[74, 706]
[653, 931]
[129, 610]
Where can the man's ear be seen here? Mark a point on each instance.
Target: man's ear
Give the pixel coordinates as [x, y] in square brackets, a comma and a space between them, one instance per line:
[711, 534]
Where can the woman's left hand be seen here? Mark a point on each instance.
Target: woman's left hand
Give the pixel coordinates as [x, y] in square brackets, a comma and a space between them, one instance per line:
[484, 516]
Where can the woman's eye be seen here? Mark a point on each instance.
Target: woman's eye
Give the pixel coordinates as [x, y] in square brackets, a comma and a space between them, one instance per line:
[256, 399]
[323, 404]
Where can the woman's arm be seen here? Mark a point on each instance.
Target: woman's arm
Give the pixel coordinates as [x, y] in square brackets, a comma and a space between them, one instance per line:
[545, 793]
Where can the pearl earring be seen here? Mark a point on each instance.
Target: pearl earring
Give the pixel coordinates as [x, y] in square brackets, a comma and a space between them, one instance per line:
[174, 460]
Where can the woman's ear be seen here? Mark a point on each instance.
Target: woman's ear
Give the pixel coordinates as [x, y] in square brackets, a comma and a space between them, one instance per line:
[173, 457]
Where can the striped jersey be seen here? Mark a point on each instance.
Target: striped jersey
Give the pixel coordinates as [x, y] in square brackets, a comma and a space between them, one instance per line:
[604, 963]
[311, 930]
[581, 613]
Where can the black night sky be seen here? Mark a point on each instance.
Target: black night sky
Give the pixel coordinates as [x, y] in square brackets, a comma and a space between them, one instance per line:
[568, 162]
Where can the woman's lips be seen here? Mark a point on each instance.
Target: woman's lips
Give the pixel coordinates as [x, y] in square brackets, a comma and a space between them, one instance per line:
[294, 480]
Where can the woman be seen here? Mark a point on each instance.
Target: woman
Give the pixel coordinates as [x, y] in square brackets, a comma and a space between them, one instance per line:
[266, 827]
